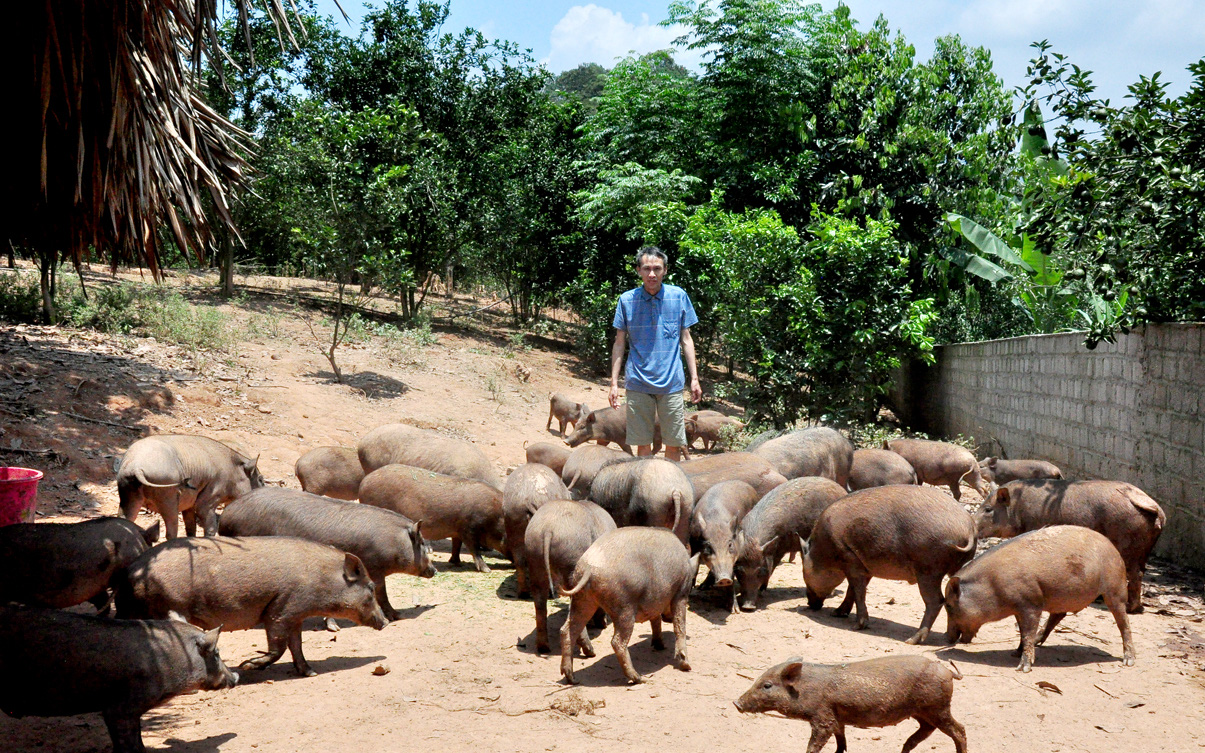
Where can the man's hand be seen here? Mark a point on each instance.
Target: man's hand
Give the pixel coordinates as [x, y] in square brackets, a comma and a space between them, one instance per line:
[613, 398]
[696, 390]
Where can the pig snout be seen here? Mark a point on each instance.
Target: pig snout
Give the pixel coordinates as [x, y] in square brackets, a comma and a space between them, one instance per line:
[375, 617]
[738, 705]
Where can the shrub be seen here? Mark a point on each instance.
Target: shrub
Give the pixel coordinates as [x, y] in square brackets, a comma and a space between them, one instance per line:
[131, 308]
[20, 297]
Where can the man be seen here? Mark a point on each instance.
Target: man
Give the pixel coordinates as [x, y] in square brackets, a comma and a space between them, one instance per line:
[656, 318]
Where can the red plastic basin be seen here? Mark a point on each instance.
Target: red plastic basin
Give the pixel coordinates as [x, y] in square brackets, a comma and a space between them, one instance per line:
[18, 494]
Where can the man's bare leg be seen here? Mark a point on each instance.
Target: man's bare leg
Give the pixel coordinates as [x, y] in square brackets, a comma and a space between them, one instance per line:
[644, 450]
[673, 453]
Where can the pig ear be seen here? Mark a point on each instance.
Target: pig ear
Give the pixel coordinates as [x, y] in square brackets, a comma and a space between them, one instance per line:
[1002, 496]
[208, 641]
[418, 532]
[791, 671]
[766, 545]
[151, 534]
[991, 462]
[954, 588]
[804, 548]
[111, 549]
[353, 568]
[886, 444]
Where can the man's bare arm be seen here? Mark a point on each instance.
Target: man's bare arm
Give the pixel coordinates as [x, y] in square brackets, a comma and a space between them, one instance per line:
[621, 339]
[688, 349]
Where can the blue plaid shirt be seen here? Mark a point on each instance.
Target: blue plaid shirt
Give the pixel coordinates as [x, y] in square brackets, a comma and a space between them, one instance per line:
[654, 325]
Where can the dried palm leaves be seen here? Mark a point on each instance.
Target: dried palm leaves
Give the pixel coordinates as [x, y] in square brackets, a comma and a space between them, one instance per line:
[110, 138]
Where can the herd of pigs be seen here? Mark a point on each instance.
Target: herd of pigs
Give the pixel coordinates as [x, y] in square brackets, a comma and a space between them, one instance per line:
[622, 536]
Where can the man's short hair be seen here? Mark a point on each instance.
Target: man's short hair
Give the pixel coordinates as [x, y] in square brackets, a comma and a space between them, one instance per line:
[651, 251]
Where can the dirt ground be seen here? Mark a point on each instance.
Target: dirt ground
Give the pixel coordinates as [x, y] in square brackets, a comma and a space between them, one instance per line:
[462, 672]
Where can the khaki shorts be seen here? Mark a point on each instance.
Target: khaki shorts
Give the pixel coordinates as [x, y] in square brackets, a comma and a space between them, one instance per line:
[669, 409]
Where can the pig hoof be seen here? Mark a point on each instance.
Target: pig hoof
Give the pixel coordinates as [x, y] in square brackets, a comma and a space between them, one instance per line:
[307, 672]
[836, 612]
[1023, 667]
[916, 639]
[543, 650]
[331, 625]
[1128, 662]
[635, 680]
[1135, 610]
[483, 568]
[658, 645]
[683, 665]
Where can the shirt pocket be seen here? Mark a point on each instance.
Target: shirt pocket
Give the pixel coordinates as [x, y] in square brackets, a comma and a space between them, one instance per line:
[669, 330]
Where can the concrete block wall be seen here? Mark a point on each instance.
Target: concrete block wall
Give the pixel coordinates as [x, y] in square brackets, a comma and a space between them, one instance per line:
[1133, 410]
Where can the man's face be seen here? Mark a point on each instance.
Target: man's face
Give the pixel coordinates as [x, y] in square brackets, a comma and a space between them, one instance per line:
[652, 271]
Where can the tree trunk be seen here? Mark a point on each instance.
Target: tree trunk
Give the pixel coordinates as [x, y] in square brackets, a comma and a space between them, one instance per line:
[12, 262]
[46, 263]
[449, 268]
[227, 265]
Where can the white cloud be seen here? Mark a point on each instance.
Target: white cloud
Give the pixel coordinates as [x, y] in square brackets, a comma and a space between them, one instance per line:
[592, 34]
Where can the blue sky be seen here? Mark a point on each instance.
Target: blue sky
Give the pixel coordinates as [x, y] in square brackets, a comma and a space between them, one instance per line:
[1116, 39]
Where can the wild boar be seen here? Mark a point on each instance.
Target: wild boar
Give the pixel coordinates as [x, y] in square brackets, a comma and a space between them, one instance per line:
[648, 492]
[876, 467]
[730, 466]
[464, 510]
[584, 463]
[549, 454]
[276, 581]
[529, 487]
[940, 464]
[774, 527]
[874, 693]
[181, 474]
[1122, 512]
[635, 575]
[330, 471]
[1059, 569]
[708, 425]
[61, 664]
[60, 565]
[558, 535]
[566, 412]
[408, 445]
[386, 542]
[819, 451]
[910, 533]
[713, 529]
[999, 471]
[608, 425]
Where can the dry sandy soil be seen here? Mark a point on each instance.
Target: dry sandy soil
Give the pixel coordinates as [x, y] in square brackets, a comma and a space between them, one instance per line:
[463, 673]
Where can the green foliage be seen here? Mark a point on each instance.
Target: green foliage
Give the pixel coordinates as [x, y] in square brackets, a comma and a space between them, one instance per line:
[594, 302]
[20, 297]
[863, 318]
[154, 310]
[583, 84]
[1116, 202]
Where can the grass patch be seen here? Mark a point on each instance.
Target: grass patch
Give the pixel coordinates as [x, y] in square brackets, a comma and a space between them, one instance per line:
[154, 310]
[20, 297]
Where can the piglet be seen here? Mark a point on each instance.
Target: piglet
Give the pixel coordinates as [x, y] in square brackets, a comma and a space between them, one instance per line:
[874, 693]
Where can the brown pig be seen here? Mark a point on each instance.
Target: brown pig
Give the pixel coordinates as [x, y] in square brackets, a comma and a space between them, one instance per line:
[385, 541]
[1122, 512]
[875, 693]
[584, 463]
[408, 445]
[647, 492]
[876, 467]
[1058, 569]
[62, 664]
[274, 581]
[818, 451]
[549, 454]
[60, 565]
[999, 471]
[608, 425]
[636, 574]
[940, 463]
[774, 527]
[729, 466]
[330, 471]
[708, 425]
[529, 487]
[558, 535]
[910, 533]
[714, 525]
[183, 475]
[565, 411]
[457, 508]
